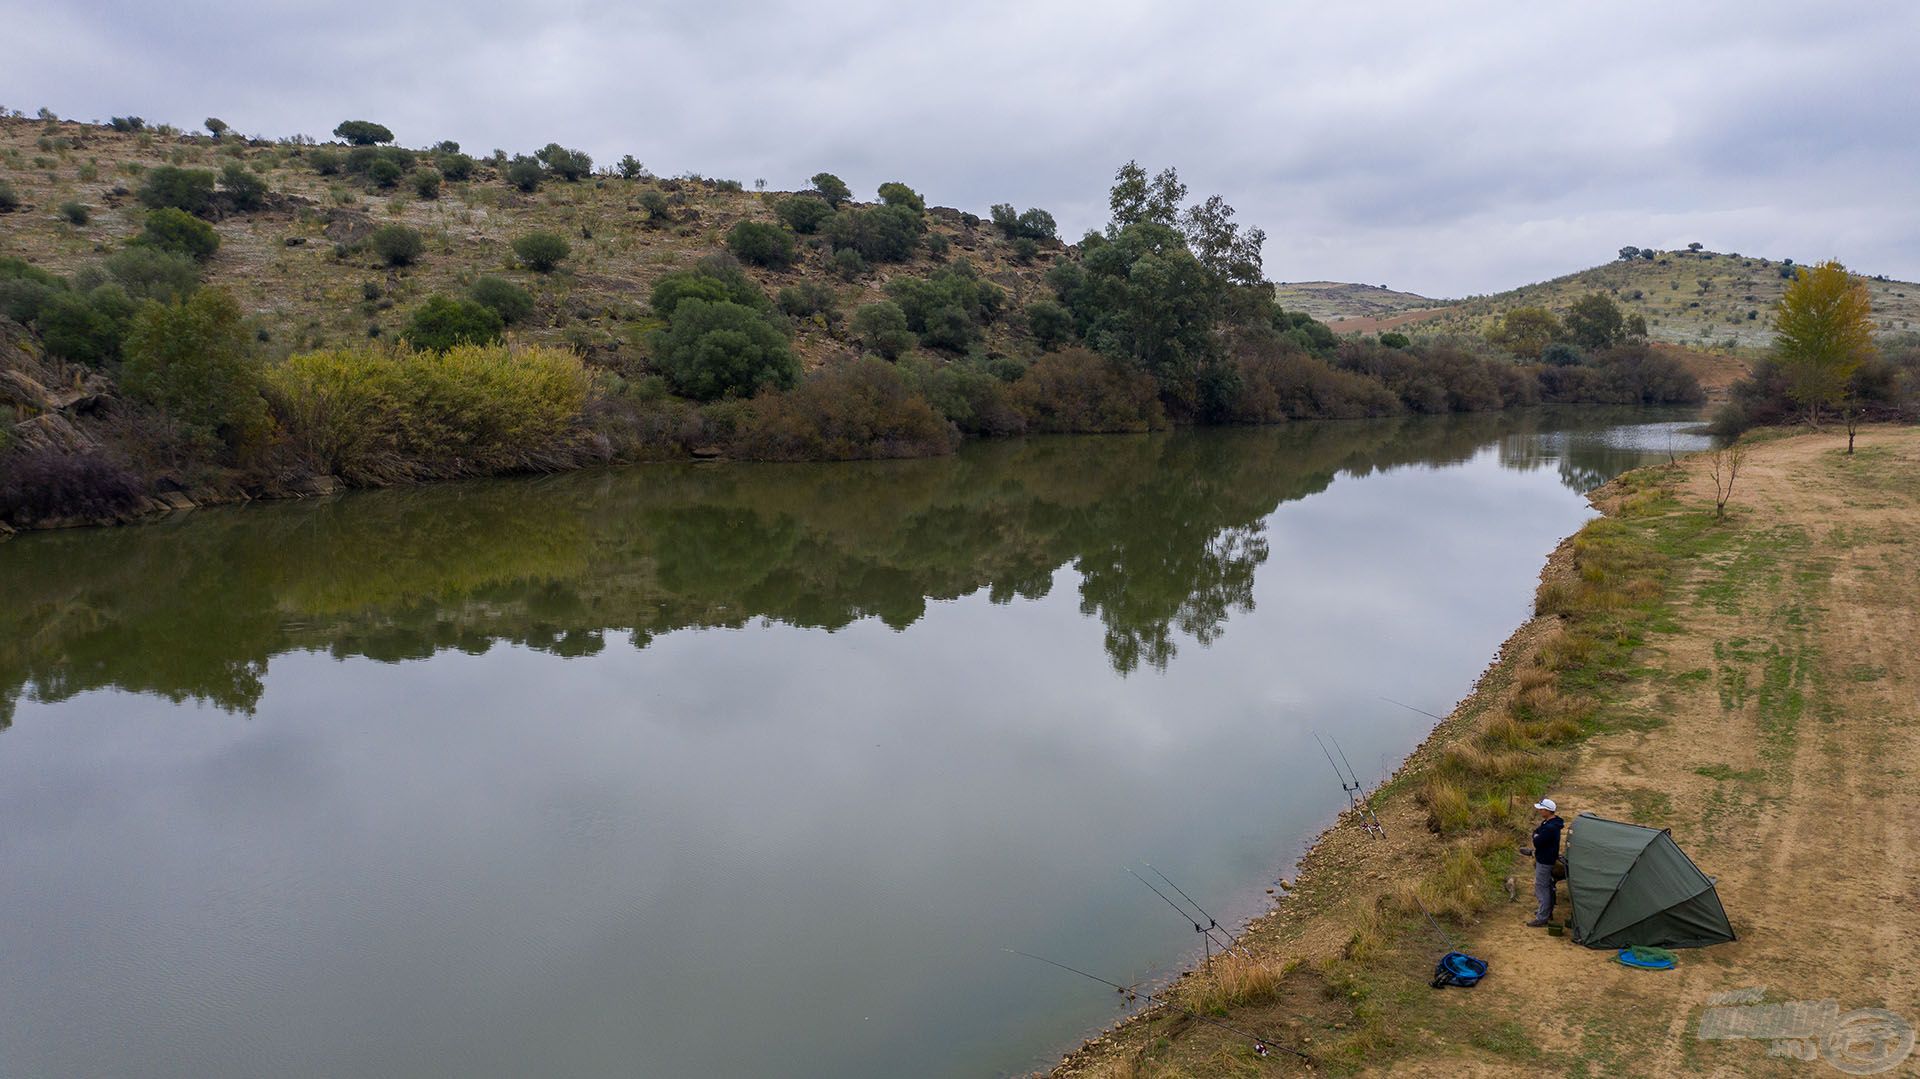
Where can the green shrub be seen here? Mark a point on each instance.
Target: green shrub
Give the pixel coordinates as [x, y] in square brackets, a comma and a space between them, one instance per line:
[803, 214]
[541, 251]
[807, 299]
[659, 211]
[25, 289]
[882, 327]
[832, 188]
[9, 198]
[180, 232]
[1050, 324]
[712, 280]
[217, 126]
[896, 193]
[168, 187]
[149, 273]
[384, 173]
[362, 132]
[970, 396]
[569, 165]
[761, 244]
[443, 322]
[524, 173]
[1561, 354]
[85, 327]
[426, 183]
[846, 264]
[877, 233]
[947, 308]
[631, 168]
[508, 300]
[75, 213]
[193, 361]
[397, 245]
[715, 348]
[327, 162]
[857, 410]
[375, 415]
[244, 189]
[127, 123]
[936, 245]
[1077, 390]
[454, 165]
[1392, 339]
[1034, 224]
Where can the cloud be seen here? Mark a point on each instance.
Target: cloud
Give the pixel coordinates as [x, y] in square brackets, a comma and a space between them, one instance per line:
[1447, 149]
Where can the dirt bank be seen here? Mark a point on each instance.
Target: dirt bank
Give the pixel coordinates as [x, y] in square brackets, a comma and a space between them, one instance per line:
[1759, 699]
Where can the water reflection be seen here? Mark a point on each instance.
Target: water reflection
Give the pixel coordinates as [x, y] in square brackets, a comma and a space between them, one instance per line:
[1164, 532]
[751, 829]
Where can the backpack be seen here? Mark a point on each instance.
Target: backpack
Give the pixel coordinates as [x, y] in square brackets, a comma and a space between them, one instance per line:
[1458, 968]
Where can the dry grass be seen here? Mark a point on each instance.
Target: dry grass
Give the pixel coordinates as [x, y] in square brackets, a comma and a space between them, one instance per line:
[1448, 809]
[1235, 979]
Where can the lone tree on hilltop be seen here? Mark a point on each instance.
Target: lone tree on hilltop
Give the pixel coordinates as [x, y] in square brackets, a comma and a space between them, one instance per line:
[217, 126]
[832, 188]
[1695, 246]
[362, 132]
[1823, 332]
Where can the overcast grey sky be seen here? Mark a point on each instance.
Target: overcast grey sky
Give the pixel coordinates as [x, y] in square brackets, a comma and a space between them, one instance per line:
[1443, 148]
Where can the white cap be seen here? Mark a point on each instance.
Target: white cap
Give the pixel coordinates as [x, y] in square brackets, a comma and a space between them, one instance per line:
[1546, 804]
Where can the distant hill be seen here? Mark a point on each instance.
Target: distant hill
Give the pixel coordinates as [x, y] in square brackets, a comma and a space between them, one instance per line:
[1687, 297]
[1330, 300]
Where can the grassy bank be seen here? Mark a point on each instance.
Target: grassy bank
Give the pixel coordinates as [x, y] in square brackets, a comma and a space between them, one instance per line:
[1683, 671]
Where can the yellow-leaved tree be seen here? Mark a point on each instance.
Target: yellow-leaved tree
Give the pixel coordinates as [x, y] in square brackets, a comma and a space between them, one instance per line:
[1823, 332]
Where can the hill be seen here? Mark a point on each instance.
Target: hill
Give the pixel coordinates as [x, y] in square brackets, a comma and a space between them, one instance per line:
[1696, 298]
[1335, 300]
[643, 317]
[301, 268]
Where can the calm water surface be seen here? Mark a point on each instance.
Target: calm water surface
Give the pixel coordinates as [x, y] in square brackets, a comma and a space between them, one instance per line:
[724, 770]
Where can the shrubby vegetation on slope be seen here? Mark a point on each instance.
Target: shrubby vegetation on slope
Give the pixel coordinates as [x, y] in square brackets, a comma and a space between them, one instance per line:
[929, 322]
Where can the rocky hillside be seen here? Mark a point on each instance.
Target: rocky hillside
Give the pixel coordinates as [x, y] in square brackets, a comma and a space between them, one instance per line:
[300, 265]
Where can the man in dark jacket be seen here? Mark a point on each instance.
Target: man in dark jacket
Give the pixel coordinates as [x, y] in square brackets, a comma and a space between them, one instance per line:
[1546, 851]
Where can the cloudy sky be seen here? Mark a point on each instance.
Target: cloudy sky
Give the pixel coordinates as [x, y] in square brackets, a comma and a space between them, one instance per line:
[1442, 148]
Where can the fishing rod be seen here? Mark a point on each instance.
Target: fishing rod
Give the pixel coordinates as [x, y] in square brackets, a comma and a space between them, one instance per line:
[1445, 937]
[1350, 783]
[1260, 1044]
[1411, 708]
[1205, 931]
[1196, 906]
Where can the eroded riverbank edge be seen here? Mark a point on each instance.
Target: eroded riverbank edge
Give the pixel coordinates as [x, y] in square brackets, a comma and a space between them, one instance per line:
[1753, 688]
[1343, 871]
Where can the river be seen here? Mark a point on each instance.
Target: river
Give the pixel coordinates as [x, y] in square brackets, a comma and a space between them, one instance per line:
[728, 770]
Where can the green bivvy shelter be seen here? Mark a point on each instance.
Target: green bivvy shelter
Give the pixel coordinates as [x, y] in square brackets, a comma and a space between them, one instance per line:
[1633, 885]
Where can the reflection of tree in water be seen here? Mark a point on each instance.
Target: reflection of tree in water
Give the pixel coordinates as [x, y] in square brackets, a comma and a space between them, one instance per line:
[1164, 531]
